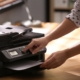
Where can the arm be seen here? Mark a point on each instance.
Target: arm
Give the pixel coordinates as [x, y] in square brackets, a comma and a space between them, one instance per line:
[65, 27]
[73, 51]
[58, 58]
[71, 22]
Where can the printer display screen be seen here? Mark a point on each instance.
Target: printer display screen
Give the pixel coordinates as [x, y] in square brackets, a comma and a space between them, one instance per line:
[13, 53]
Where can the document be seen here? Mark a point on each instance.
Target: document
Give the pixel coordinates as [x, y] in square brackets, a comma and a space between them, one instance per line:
[23, 65]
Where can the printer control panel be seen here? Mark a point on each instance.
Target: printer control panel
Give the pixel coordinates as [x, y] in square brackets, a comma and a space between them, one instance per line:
[14, 53]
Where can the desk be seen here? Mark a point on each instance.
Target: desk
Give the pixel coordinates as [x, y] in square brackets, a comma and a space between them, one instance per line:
[70, 70]
[54, 74]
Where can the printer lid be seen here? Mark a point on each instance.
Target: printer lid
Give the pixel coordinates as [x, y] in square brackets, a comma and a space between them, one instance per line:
[22, 65]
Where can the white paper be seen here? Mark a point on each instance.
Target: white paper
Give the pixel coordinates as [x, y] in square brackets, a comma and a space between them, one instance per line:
[26, 64]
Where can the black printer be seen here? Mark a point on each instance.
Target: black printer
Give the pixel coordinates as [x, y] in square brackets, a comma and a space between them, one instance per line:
[12, 60]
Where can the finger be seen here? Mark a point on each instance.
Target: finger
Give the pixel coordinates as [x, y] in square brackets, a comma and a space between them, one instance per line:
[37, 49]
[52, 65]
[47, 63]
[50, 56]
[33, 47]
[49, 66]
[28, 46]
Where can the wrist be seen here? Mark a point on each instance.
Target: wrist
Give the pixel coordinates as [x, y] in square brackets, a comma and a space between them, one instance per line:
[70, 52]
[48, 38]
[67, 53]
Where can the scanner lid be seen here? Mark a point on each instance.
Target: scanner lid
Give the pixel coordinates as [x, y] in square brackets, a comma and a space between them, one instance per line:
[12, 28]
[22, 65]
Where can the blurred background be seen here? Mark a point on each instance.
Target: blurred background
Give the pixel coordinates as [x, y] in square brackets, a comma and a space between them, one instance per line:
[14, 10]
[43, 10]
[43, 16]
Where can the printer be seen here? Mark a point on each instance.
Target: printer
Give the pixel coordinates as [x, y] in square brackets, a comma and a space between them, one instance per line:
[13, 40]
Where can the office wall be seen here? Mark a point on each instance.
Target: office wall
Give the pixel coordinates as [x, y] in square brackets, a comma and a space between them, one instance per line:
[37, 9]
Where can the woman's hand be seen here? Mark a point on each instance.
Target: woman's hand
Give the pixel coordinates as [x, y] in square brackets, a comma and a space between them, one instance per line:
[55, 60]
[36, 45]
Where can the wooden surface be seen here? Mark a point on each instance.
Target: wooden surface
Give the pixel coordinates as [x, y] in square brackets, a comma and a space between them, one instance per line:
[70, 70]
[60, 73]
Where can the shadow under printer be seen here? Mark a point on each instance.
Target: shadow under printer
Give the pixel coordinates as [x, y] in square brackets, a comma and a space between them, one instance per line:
[12, 40]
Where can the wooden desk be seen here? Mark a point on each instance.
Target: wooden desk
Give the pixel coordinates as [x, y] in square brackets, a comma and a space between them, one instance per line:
[70, 70]
[54, 74]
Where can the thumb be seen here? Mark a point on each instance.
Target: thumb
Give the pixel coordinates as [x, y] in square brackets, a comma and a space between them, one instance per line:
[50, 56]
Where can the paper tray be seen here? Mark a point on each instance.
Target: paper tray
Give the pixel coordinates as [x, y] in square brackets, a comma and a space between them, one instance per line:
[22, 65]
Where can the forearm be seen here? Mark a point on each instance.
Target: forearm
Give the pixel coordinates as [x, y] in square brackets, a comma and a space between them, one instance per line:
[65, 27]
[73, 51]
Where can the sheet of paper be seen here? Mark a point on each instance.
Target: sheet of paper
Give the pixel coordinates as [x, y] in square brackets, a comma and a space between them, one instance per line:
[22, 65]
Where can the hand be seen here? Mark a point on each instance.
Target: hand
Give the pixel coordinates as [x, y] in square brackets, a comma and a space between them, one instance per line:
[55, 60]
[36, 45]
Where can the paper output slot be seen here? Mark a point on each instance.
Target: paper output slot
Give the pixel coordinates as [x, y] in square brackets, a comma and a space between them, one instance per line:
[22, 65]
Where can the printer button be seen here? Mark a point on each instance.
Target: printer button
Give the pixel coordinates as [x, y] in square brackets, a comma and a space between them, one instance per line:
[28, 52]
[23, 52]
[21, 48]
